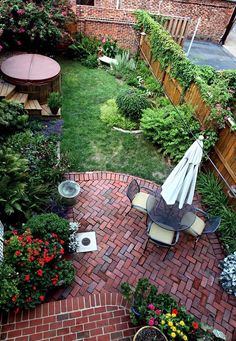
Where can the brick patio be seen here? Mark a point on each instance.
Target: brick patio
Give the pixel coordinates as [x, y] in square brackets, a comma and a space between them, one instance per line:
[191, 276]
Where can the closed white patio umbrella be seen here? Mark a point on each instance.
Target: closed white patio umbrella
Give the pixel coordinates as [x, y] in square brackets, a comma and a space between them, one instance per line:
[180, 184]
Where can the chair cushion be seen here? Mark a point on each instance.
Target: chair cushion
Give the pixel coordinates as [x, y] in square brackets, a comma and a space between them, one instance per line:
[197, 226]
[140, 201]
[159, 234]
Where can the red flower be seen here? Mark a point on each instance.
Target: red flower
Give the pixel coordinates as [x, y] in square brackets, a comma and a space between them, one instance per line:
[41, 298]
[14, 298]
[46, 243]
[195, 325]
[40, 272]
[36, 252]
[17, 253]
[174, 311]
[34, 287]
[158, 312]
[62, 241]
[27, 278]
[29, 299]
[62, 251]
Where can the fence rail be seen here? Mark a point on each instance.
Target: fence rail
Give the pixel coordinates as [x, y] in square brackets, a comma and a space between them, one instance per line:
[178, 28]
[224, 152]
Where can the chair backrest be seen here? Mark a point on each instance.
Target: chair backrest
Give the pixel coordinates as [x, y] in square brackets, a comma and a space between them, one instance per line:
[133, 189]
[212, 224]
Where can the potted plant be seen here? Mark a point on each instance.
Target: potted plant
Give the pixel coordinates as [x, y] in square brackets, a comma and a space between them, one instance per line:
[148, 333]
[54, 102]
[139, 297]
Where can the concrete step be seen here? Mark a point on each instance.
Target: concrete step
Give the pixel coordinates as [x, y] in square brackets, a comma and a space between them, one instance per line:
[33, 107]
[19, 97]
[7, 90]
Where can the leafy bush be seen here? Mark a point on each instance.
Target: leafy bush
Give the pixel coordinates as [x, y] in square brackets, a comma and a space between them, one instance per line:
[91, 61]
[46, 224]
[83, 47]
[131, 103]
[124, 64]
[153, 86]
[217, 204]
[34, 25]
[228, 275]
[39, 266]
[54, 102]
[9, 285]
[109, 47]
[13, 181]
[111, 116]
[13, 117]
[171, 130]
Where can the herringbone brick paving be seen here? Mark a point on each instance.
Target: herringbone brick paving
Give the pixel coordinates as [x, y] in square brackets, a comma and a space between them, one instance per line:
[191, 276]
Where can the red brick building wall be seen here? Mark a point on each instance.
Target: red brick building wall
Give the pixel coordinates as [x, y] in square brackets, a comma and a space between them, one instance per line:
[105, 19]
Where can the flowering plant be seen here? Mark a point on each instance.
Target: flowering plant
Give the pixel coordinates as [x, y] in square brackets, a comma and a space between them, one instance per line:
[38, 265]
[176, 323]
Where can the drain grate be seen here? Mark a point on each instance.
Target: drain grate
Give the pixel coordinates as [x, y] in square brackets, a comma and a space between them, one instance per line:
[86, 241]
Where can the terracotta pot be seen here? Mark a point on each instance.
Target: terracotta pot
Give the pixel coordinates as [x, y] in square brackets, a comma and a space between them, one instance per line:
[142, 331]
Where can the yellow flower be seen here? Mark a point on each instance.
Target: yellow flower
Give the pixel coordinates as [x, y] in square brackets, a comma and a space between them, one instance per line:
[170, 323]
[182, 323]
[168, 315]
[173, 315]
[173, 335]
[178, 331]
[174, 329]
[162, 322]
[185, 338]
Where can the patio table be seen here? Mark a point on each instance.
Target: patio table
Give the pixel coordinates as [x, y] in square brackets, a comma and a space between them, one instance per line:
[168, 216]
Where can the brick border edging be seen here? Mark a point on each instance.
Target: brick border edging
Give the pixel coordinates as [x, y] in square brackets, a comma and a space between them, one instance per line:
[70, 305]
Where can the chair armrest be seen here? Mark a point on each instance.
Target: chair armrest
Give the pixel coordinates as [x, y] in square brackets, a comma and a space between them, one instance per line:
[148, 189]
[201, 211]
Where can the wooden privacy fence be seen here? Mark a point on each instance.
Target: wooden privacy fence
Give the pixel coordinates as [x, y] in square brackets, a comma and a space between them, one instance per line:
[224, 152]
[178, 28]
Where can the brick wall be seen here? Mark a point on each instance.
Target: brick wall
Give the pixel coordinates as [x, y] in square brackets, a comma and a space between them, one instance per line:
[215, 15]
[100, 22]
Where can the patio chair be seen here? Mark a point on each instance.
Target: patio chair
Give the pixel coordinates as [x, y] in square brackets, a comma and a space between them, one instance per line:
[137, 197]
[200, 226]
[160, 236]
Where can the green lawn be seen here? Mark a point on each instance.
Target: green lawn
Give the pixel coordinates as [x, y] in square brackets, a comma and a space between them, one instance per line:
[89, 143]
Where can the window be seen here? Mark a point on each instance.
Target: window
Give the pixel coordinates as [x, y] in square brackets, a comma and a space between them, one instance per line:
[85, 2]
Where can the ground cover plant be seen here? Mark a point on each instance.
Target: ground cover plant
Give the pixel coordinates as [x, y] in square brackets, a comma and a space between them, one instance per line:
[217, 205]
[90, 143]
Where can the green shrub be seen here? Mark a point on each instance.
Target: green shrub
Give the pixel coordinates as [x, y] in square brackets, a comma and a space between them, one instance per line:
[9, 285]
[46, 224]
[83, 47]
[217, 204]
[13, 181]
[111, 116]
[54, 102]
[154, 86]
[13, 117]
[109, 47]
[91, 61]
[124, 64]
[131, 103]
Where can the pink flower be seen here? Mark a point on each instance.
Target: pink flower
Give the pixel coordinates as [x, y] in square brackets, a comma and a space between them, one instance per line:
[226, 118]
[228, 108]
[151, 306]
[158, 312]
[231, 91]
[1, 47]
[21, 11]
[151, 322]
[21, 30]
[104, 40]
[19, 43]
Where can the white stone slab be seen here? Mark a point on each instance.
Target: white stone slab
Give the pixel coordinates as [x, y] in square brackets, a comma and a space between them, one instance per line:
[107, 60]
[86, 248]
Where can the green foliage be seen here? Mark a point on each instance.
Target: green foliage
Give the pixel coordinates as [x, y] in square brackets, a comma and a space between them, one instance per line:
[111, 116]
[167, 128]
[46, 224]
[217, 205]
[83, 47]
[34, 25]
[124, 64]
[91, 61]
[37, 261]
[109, 47]
[131, 103]
[13, 181]
[54, 101]
[9, 285]
[13, 117]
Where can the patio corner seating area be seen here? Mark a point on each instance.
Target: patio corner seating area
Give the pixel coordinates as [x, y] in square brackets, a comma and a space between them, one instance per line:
[92, 304]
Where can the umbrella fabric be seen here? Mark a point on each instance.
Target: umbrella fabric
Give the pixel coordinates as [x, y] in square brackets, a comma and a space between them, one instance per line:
[180, 184]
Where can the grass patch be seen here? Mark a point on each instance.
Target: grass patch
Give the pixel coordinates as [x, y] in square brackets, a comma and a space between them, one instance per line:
[88, 142]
